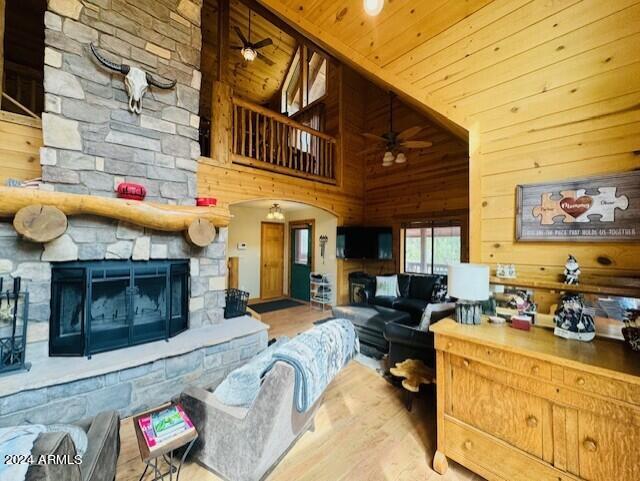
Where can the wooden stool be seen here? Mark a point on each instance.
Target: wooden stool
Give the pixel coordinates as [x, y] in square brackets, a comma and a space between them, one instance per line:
[415, 373]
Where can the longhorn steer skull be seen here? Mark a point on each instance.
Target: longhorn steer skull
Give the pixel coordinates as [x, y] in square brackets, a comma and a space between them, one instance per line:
[136, 80]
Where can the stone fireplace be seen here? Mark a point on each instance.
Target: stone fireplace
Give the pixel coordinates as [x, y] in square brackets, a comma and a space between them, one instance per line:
[106, 285]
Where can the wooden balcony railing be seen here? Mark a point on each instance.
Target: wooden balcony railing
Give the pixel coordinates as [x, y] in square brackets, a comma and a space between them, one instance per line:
[265, 139]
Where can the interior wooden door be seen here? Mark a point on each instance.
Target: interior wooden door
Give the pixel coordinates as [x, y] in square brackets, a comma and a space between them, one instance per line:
[271, 260]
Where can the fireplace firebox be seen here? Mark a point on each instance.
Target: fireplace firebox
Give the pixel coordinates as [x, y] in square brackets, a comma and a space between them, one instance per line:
[106, 305]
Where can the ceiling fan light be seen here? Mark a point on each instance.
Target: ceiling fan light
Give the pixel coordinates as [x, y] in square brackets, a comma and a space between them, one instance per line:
[387, 160]
[401, 158]
[373, 7]
[249, 54]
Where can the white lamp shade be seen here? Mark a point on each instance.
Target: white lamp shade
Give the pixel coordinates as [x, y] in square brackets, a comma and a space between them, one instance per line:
[401, 158]
[469, 282]
[387, 160]
[373, 7]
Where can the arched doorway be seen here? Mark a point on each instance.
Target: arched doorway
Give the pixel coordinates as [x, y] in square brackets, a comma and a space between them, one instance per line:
[260, 265]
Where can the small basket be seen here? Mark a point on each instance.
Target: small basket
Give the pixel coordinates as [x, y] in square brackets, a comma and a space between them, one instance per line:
[632, 337]
[235, 303]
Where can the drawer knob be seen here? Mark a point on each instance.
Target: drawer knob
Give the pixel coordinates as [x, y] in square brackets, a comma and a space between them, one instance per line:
[465, 362]
[468, 445]
[449, 345]
[532, 421]
[590, 445]
[580, 381]
[535, 370]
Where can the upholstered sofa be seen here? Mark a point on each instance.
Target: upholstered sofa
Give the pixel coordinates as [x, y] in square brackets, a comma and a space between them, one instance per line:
[400, 314]
[98, 462]
[416, 292]
[245, 444]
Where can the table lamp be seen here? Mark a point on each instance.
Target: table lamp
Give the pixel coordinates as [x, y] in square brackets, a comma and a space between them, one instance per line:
[469, 283]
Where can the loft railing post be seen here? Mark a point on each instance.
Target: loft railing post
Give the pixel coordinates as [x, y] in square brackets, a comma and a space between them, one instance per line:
[221, 122]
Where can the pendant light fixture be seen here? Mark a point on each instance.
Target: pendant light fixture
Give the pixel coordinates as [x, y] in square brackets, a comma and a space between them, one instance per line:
[275, 213]
[373, 7]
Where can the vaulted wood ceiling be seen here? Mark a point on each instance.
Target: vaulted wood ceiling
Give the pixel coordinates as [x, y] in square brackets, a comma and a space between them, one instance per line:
[547, 90]
[256, 81]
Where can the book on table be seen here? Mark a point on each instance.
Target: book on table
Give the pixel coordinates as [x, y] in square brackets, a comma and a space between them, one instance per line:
[162, 427]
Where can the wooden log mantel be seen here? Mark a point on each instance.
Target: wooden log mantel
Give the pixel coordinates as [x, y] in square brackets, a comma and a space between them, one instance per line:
[162, 217]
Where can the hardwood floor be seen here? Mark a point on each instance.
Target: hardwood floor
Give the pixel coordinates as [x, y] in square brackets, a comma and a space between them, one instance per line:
[363, 431]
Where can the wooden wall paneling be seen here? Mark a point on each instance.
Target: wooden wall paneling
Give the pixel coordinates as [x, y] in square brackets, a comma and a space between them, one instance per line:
[2, 8]
[19, 147]
[549, 90]
[433, 183]
[221, 127]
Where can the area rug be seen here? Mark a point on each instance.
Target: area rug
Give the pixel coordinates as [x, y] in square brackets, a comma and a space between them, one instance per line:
[271, 306]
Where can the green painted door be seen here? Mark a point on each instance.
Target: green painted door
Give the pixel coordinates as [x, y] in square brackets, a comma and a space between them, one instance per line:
[301, 238]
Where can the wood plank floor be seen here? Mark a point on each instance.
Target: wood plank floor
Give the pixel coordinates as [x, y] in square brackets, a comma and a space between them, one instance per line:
[363, 431]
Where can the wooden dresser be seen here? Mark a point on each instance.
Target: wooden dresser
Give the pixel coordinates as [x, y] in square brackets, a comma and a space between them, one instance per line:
[529, 406]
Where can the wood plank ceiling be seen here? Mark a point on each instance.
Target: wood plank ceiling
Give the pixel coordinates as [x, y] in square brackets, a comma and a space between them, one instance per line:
[256, 81]
[547, 89]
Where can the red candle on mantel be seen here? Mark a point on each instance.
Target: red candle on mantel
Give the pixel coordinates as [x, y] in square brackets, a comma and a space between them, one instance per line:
[128, 190]
[206, 201]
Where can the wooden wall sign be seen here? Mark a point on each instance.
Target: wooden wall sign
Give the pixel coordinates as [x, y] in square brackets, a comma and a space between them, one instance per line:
[597, 209]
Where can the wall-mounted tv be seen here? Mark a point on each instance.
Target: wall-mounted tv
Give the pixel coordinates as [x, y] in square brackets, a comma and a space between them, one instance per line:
[357, 242]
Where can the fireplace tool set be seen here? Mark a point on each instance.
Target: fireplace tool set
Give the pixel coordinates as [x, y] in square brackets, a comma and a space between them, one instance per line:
[13, 326]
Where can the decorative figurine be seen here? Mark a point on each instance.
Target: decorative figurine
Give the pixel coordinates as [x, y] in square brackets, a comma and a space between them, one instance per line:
[522, 301]
[571, 271]
[439, 293]
[631, 329]
[573, 319]
[506, 271]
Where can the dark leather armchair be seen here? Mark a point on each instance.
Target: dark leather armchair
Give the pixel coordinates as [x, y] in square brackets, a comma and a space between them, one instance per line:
[410, 342]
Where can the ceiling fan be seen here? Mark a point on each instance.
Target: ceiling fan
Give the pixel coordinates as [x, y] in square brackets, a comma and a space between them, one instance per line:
[395, 141]
[248, 49]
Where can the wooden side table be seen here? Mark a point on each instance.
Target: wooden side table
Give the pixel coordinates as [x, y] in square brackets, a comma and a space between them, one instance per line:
[415, 374]
[151, 456]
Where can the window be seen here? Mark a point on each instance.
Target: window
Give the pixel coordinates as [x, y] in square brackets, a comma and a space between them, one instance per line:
[429, 249]
[291, 90]
[305, 82]
[301, 246]
[317, 83]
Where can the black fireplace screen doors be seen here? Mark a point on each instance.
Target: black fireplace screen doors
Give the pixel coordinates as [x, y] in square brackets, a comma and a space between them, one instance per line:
[106, 305]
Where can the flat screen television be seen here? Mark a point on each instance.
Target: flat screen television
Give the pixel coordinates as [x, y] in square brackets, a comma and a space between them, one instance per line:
[357, 242]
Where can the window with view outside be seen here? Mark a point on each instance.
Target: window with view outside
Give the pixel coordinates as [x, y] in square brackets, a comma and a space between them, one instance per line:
[429, 250]
[302, 246]
[305, 82]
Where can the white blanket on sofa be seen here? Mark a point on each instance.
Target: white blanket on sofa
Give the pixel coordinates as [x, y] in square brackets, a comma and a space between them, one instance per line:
[16, 443]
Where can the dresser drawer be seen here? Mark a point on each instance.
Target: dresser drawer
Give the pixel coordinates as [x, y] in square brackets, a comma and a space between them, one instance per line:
[607, 387]
[497, 409]
[471, 447]
[513, 362]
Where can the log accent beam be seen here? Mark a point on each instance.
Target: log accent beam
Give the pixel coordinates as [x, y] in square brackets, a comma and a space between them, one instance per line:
[162, 217]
